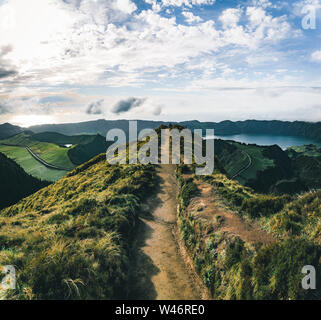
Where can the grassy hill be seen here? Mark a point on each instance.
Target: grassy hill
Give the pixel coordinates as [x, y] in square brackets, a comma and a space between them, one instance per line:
[61, 139]
[307, 150]
[71, 239]
[7, 130]
[51, 147]
[271, 169]
[85, 151]
[246, 245]
[24, 159]
[50, 152]
[15, 183]
[14, 148]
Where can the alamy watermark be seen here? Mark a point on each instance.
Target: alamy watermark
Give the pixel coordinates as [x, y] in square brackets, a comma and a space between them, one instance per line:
[146, 147]
[309, 20]
[309, 281]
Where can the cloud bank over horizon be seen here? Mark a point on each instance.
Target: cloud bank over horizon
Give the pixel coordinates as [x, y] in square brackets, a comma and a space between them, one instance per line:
[159, 59]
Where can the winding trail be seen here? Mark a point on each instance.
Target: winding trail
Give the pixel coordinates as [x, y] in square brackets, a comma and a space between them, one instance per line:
[36, 157]
[245, 168]
[46, 164]
[159, 270]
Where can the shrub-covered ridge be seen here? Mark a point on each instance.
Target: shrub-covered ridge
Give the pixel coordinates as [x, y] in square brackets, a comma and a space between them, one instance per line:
[71, 239]
[232, 266]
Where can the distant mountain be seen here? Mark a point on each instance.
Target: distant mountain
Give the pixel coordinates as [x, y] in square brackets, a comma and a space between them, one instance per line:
[15, 183]
[310, 130]
[61, 139]
[94, 127]
[297, 128]
[7, 130]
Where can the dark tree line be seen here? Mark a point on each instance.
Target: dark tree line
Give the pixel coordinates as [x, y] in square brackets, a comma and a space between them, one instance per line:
[15, 183]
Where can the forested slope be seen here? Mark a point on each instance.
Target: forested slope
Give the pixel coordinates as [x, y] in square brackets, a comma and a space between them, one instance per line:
[15, 183]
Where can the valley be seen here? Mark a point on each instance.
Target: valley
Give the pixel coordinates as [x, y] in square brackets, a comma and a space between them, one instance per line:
[146, 232]
[46, 156]
[22, 157]
[163, 150]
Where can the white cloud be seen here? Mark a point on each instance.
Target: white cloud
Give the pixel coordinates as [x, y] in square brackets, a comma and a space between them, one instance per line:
[316, 56]
[261, 59]
[191, 18]
[262, 3]
[188, 3]
[111, 43]
[155, 5]
[102, 42]
[230, 17]
[126, 6]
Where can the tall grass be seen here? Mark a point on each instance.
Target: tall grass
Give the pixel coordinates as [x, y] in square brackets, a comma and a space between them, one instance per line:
[71, 239]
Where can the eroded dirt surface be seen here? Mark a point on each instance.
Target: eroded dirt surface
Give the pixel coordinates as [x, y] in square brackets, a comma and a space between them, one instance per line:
[208, 206]
[159, 270]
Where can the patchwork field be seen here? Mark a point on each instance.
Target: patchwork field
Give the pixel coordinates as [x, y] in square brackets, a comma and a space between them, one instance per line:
[30, 165]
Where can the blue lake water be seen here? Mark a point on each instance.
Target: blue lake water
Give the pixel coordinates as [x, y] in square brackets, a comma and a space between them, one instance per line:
[267, 140]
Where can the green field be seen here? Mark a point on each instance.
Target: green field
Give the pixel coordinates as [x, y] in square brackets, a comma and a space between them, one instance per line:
[307, 150]
[236, 163]
[49, 152]
[52, 154]
[259, 161]
[50, 147]
[30, 165]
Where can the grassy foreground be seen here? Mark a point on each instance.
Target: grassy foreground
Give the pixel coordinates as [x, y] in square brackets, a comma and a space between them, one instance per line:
[71, 239]
[246, 245]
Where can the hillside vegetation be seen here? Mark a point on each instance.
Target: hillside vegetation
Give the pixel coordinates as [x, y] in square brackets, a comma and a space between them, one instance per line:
[71, 239]
[15, 183]
[51, 147]
[245, 245]
[7, 130]
[50, 152]
[30, 165]
[271, 170]
[83, 147]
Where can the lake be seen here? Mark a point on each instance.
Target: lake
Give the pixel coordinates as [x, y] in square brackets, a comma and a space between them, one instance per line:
[269, 139]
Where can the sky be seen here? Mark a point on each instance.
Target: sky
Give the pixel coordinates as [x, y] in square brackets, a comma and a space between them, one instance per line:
[79, 60]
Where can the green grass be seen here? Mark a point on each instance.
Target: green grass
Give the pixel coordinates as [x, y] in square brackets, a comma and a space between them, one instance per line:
[49, 152]
[307, 150]
[72, 239]
[259, 161]
[30, 165]
[234, 269]
[237, 163]
[53, 154]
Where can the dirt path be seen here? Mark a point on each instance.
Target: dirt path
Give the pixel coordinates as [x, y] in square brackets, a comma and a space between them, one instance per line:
[225, 220]
[159, 270]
